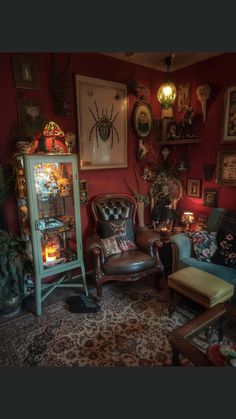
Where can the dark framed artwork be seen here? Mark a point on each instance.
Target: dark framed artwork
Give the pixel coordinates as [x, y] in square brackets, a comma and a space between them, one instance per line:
[226, 168]
[28, 110]
[194, 188]
[26, 71]
[142, 119]
[210, 198]
[229, 124]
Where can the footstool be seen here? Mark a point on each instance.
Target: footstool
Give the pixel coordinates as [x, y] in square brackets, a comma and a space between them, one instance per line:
[200, 286]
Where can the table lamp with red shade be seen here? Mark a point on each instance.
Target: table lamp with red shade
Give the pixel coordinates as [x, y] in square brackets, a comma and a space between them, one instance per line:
[188, 219]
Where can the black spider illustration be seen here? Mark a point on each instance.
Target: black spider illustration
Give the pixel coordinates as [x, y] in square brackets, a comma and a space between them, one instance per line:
[104, 125]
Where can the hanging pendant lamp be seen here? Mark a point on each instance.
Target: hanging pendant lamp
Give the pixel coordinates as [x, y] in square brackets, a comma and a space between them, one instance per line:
[166, 93]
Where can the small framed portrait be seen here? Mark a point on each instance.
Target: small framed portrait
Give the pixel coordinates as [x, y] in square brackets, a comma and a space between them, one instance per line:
[142, 119]
[83, 190]
[28, 110]
[26, 71]
[210, 198]
[194, 188]
[229, 125]
[226, 168]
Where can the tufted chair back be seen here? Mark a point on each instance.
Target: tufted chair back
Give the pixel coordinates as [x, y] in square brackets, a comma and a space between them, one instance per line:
[113, 207]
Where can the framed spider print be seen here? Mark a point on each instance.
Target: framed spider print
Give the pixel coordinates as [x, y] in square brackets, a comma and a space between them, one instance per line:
[102, 123]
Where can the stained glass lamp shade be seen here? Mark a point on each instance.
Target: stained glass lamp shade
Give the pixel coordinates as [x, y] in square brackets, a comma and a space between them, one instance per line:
[166, 93]
[52, 130]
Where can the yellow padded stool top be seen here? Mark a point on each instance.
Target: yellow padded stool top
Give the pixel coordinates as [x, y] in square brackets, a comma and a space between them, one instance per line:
[208, 286]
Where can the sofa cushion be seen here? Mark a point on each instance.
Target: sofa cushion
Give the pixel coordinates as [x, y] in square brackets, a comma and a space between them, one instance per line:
[226, 249]
[223, 272]
[120, 228]
[204, 244]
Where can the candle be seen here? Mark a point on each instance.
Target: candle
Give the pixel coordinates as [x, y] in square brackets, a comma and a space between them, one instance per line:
[51, 253]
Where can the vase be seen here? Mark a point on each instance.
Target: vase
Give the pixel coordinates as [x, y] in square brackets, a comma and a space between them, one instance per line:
[140, 213]
[11, 305]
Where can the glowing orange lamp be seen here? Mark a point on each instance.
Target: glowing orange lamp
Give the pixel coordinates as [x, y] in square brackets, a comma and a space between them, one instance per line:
[52, 130]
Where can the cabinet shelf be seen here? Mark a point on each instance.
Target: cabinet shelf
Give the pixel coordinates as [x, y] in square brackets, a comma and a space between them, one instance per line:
[178, 142]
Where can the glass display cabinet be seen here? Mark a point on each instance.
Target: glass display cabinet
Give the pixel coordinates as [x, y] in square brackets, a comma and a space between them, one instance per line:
[49, 212]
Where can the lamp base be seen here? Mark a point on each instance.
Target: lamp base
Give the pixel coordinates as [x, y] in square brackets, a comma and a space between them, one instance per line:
[167, 113]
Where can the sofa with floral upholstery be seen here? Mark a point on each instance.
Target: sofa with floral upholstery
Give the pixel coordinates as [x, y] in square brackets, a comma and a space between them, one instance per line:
[212, 250]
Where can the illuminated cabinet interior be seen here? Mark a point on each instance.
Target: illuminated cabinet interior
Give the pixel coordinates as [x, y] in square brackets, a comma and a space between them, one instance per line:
[49, 211]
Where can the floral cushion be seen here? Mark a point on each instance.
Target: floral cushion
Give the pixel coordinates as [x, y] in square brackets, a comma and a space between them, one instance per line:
[125, 245]
[110, 246]
[204, 244]
[226, 249]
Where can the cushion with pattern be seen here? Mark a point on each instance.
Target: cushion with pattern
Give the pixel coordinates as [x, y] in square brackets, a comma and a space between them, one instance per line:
[204, 244]
[226, 249]
[125, 245]
[120, 228]
[110, 246]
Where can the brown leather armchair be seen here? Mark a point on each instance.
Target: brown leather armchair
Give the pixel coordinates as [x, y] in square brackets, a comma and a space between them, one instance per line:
[129, 265]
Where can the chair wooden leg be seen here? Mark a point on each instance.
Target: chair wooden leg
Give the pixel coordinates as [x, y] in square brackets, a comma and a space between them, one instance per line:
[171, 305]
[158, 279]
[99, 291]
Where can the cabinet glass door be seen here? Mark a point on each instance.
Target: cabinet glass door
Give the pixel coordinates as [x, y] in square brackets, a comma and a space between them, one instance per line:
[55, 212]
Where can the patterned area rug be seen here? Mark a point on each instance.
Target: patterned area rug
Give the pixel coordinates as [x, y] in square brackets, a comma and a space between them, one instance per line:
[130, 330]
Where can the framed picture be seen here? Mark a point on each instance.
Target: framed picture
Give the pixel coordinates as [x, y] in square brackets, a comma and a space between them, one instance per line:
[210, 198]
[194, 188]
[26, 71]
[142, 119]
[83, 190]
[226, 168]
[28, 110]
[229, 125]
[102, 123]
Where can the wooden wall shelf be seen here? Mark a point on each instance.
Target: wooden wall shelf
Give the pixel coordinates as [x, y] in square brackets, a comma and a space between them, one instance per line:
[174, 142]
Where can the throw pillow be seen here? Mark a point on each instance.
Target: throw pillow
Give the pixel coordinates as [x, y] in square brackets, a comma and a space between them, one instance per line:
[110, 246]
[226, 249]
[120, 228]
[125, 245]
[204, 244]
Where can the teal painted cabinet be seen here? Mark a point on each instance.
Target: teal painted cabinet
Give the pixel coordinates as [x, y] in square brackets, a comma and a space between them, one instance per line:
[49, 211]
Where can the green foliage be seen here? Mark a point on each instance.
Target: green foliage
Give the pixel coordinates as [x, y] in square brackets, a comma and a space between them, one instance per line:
[142, 198]
[166, 170]
[13, 266]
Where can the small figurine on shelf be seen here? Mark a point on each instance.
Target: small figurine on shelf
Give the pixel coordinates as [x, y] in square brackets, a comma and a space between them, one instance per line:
[185, 128]
[70, 141]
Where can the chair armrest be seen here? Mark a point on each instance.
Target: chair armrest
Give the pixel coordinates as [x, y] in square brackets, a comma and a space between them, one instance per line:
[94, 247]
[146, 240]
[183, 243]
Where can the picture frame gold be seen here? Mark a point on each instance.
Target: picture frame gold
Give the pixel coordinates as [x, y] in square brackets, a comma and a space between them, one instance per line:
[194, 188]
[102, 123]
[26, 71]
[229, 122]
[226, 168]
[142, 119]
[210, 198]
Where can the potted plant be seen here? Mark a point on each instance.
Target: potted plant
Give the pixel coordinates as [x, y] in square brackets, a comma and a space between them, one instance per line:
[14, 264]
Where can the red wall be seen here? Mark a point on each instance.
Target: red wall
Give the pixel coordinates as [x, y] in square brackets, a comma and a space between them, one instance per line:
[88, 64]
[219, 72]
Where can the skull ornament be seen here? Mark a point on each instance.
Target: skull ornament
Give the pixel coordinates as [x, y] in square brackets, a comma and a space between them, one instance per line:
[64, 186]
